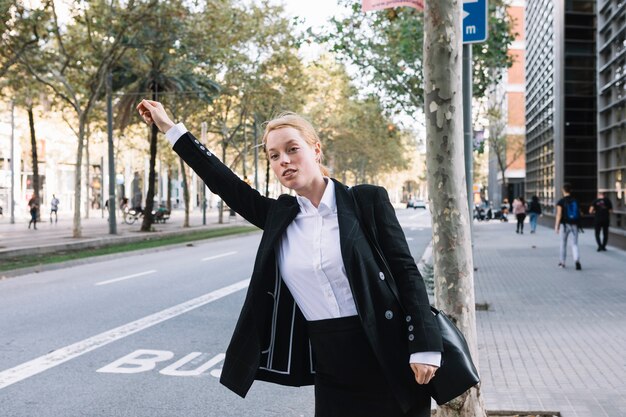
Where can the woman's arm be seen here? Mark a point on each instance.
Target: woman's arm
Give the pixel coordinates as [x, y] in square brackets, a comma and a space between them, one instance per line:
[411, 287]
[238, 195]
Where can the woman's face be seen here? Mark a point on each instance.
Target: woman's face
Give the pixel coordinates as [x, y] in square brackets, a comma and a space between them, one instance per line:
[293, 160]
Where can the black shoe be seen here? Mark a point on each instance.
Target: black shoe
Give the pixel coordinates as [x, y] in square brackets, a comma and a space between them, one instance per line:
[561, 265]
[604, 248]
[600, 249]
[578, 267]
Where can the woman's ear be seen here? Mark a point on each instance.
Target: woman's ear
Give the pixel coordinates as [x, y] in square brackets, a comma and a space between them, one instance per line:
[317, 148]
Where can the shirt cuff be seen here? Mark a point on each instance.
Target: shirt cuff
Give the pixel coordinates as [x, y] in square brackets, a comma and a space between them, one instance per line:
[426, 358]
[175, 132]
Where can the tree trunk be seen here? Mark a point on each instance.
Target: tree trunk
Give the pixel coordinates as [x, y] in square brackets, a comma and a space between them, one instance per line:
[87, 176]
[168, 203]
[454, 281]
[186, 198]
[221, 207]
[77, 229]
[146, 226]
[35, 159]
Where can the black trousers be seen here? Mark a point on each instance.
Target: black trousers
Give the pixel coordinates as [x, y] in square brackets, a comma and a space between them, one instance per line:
[604, 228]
[520, 221]
[349, 381]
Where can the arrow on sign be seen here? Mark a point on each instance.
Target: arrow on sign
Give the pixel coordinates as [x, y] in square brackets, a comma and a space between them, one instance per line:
[465, 14]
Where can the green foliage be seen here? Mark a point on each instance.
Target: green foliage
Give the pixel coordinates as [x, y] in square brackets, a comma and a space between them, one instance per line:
[387, 47]
[359, 139]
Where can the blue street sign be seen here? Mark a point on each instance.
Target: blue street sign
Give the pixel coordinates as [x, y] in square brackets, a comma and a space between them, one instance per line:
[474, 21]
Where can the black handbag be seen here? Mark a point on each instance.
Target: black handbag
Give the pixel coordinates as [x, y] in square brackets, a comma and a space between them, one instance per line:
[457, 372]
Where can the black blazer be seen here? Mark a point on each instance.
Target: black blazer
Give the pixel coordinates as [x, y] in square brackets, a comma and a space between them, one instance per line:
[270, 341]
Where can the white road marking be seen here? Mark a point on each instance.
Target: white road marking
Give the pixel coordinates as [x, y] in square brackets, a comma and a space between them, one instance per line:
[219, 256]
[62, 355]
[111, 281]
[418, 214]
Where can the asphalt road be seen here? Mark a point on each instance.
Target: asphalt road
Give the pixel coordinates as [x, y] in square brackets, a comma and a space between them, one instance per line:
[140, 336]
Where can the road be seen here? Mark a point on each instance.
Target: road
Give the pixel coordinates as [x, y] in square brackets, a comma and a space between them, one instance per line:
[140, 336]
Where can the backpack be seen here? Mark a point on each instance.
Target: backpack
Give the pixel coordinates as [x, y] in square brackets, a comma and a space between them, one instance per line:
[572, 211]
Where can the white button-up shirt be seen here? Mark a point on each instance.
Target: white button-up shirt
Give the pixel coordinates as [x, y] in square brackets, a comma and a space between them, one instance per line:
[310, 262]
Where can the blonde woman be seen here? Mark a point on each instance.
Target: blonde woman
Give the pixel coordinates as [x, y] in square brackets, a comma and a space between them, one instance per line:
[319, 309]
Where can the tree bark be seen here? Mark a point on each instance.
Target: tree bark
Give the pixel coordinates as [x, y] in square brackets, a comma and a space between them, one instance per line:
[186, 198]
[35, 159]
[77, 228]
[146, 225]
[87, 174]
[454, 281]
[168, 203]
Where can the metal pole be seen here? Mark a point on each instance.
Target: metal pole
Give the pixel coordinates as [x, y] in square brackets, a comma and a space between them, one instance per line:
[467, 124]
[112, 220]
[204, 128]
[12, 199]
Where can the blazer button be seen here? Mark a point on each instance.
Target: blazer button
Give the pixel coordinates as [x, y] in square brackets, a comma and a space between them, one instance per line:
[388, 314]
[208, 153]
[196, 140]
[202, 147]
[411, 337]
[381, 276]
[408, 319]
[411, 328]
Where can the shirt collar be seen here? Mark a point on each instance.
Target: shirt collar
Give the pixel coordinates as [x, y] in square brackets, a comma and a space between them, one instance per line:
[327, 205]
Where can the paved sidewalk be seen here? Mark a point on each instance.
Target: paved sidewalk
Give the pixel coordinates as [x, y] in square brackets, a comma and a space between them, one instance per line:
[553, 339]
[16, 239]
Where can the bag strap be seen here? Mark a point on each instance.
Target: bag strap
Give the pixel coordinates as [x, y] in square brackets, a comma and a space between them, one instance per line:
[391, 283]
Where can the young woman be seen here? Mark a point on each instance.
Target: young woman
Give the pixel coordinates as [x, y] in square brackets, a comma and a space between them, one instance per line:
[319, 309]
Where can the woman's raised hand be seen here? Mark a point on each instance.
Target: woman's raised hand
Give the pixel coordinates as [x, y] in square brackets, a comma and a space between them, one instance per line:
[153, 112]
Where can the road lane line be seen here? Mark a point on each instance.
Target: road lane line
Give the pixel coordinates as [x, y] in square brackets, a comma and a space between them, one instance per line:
[62, 355]
[111, 281]
[218, 256]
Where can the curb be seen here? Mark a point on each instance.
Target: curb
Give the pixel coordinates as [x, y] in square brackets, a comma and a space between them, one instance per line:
[109, 242]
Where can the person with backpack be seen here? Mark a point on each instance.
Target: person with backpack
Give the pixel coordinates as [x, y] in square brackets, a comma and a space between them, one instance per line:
[568, 221]
[601, 208]
[534, 211]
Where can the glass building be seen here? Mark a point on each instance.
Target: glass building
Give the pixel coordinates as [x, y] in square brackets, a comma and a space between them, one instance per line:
[612, 109]
[561, 125]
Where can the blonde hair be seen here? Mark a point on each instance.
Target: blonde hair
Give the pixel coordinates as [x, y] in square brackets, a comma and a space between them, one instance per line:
[302, 125]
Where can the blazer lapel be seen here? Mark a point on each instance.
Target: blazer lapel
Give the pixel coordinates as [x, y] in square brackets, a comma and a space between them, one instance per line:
[277, 223]
[349, 230]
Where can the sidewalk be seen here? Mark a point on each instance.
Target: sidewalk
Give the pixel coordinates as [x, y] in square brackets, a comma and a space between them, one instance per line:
[17, 239]
[552, 339]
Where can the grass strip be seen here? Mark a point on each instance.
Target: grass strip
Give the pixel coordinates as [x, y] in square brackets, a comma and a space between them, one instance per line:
[149, 242]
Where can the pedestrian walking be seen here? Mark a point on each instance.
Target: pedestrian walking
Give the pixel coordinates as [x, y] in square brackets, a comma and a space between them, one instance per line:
[33, 206]
[601, 208]
[319, 310]
[54, 207]
[567, 223]
[534, 211]
[519, 210]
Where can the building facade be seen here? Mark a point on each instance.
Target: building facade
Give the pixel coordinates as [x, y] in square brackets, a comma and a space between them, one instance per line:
[612, 109]
[509, 97]
[561, 141]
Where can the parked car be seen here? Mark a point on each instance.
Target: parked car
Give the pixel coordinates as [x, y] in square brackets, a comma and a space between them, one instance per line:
[413, 203]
